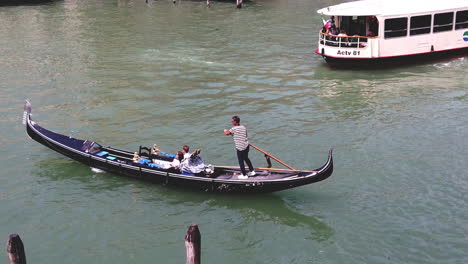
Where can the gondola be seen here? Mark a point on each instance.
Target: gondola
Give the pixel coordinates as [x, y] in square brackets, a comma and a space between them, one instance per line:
[222, 179]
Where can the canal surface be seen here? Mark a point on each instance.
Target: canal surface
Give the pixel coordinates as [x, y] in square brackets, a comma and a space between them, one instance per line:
[126, 73]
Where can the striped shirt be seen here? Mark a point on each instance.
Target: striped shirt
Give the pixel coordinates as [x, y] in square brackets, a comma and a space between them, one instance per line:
[239, 133]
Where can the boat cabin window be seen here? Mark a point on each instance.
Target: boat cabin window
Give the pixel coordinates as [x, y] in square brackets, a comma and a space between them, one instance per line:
[461, 20]
[353, 25]
[420, 25]
[396, 27]
[443, 22]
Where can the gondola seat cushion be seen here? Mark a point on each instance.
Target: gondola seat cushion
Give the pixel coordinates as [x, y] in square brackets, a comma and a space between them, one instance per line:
[102, 153]
[144, 161]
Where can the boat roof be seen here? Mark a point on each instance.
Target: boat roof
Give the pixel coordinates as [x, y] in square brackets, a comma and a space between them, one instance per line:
[391, 7]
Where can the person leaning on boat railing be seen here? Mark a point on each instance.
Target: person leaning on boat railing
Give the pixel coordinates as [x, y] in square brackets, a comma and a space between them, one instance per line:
[336, 36]
[328, 24]
[342, 39]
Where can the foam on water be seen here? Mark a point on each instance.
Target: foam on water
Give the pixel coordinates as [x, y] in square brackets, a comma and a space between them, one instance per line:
[96, 170]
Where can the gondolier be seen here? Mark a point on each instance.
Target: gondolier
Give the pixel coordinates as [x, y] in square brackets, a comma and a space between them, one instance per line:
[241, 141]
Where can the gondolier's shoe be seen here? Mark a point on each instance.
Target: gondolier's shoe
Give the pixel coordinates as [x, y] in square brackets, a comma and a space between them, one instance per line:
[242, 177]
[251, 173]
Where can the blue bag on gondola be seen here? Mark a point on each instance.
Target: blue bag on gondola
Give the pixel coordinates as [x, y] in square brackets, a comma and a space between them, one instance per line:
[144, 161]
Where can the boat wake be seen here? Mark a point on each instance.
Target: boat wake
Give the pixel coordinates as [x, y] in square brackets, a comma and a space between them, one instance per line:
[97, 170]
[450, 64]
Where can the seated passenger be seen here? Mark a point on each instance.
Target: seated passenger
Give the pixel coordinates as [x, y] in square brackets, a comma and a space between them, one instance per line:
[192, 165]
[178, 158]
[155, 150]
[136, 157]
[370, 34]
[175, 163]
[343, 36]
[187, 154]
[185, 151]
[195, 153]
[342, 33]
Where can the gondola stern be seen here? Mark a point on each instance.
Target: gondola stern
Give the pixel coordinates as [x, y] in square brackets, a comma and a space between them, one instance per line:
[327, 169]
[329, 164]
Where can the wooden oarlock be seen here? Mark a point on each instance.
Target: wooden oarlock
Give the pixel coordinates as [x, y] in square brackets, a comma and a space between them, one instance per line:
[273, 157]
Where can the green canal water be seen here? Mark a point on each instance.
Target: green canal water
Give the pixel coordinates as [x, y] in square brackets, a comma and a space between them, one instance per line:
[126, 73]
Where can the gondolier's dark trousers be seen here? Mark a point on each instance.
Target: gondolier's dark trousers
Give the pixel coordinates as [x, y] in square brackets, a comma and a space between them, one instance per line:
[243, 155]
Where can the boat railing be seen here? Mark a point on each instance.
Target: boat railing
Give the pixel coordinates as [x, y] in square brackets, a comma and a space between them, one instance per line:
[356, 41]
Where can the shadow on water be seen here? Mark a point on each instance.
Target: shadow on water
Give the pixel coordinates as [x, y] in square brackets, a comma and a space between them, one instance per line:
[68, 170]
[270, 207]
[253, 208]
[26, 2]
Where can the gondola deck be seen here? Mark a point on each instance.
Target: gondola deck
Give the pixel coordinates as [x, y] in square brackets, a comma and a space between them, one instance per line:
[223, 178]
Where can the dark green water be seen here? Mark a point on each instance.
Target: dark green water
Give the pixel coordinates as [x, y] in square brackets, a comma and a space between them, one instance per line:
[125, 73]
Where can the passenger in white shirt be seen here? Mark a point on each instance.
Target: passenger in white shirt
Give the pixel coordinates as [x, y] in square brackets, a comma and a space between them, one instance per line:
[175, 163]
[185, 151]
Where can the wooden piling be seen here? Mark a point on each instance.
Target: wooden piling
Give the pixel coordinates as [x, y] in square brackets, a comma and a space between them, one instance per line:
[193, 245]
[15, 249]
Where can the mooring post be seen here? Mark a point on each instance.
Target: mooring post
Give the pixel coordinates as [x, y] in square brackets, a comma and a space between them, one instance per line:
[239, 3]
[193, 245]
[15, 249]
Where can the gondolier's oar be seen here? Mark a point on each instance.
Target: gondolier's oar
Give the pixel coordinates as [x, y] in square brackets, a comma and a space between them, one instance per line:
[266, 169]
[271, 156]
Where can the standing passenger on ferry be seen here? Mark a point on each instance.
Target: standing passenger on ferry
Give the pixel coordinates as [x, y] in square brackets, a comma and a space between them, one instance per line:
[373, 26]
[328, 24]
[241, 141]
[333, 30]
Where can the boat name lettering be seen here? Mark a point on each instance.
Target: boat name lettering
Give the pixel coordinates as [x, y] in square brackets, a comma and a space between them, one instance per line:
[348, 52]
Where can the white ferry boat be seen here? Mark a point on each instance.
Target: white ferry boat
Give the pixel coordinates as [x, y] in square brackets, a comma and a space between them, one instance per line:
[375, 31]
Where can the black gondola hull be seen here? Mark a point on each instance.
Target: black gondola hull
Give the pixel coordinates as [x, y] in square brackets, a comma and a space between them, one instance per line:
[70, 147]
